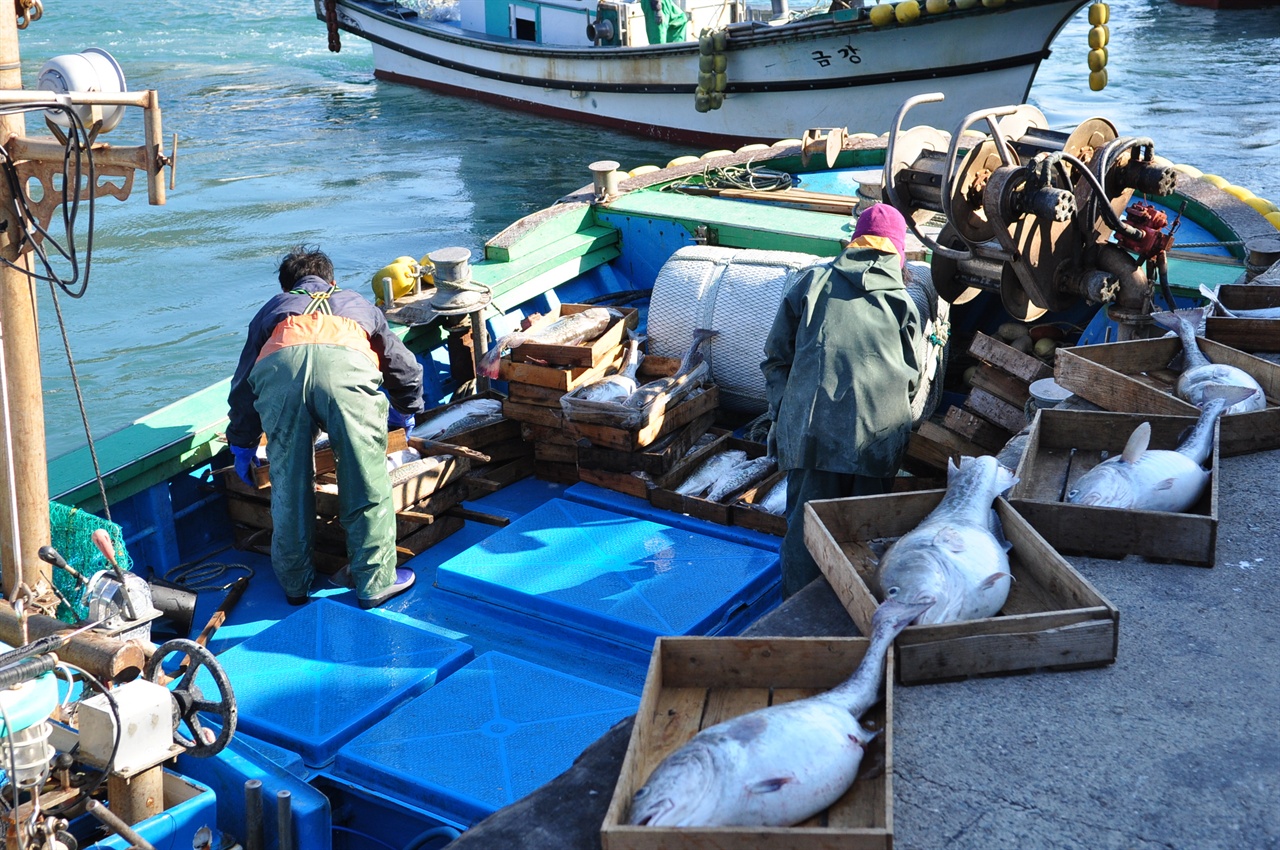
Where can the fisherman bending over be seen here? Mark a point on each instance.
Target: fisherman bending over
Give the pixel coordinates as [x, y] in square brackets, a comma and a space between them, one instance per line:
[315, 359]
[840, 370]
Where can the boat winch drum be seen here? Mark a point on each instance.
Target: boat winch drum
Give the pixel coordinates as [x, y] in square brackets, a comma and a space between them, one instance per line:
[737, 291]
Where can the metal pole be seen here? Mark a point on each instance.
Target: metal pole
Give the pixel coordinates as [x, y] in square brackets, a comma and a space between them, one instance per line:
[253, 814]
[284, 820]
[24, 418]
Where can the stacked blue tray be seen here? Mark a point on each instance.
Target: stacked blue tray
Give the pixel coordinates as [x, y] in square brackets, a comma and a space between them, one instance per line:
[482, 738]
[327, 672]
[617, 578]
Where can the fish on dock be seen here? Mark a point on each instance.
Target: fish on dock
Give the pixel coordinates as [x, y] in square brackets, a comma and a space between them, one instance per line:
[779, 765]
[1200, 373]
[957, 555]
[458, 418]
[572, 329]
[776, 500]
[1157, 479]
[710, 471]
[1256, 313]
[692, 359]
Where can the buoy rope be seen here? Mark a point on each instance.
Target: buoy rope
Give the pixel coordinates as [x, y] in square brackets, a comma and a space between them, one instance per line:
[331, 24]
[1223, 244]
[737, 177]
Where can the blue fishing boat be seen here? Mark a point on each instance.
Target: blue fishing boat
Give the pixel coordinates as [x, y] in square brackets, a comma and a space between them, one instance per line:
[546, 567]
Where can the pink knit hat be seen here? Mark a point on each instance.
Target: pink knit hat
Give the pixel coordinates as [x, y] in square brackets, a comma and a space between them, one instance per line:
[884, 220]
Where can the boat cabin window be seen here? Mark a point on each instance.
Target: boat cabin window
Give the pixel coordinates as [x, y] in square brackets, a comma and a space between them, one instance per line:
[524, 23]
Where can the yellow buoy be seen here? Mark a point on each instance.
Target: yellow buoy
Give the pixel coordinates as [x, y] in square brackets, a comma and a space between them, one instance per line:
[907, 11]
[882, 14]
[681, 160]
[937, 7]
[1262, 205]
[785, 143]
[1189, 170]
[1099, 37]
[1220, 182]
[1098, 80]
[1098, 59]
[1274, 218]
[642, 169]
[755, 147]
[1099, 14]
[1237, 191]
[402, 273]
[712, 154]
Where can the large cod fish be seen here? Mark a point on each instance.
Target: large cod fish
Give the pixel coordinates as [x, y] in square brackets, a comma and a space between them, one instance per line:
[1200, 373]
[1157, 479]
[778, 765]
[957, 555]
[572, 329]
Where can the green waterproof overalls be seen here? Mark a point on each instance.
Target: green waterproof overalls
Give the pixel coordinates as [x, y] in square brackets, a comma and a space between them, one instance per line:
[301, 389]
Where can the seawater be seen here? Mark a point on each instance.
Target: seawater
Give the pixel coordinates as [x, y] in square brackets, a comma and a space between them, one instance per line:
[282, 142]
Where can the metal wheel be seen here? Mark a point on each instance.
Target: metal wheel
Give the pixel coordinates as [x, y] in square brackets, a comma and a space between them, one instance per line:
[190, 702]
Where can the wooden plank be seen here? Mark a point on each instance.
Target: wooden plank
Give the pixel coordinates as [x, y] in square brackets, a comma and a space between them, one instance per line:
[533, 414]
[975, 428]
[1008, 359]
[544, 452]
[659, 423]
[495, 476]
[594, 353]
[931, 455]
[557, 377]
[1002, 386]
[996, 410]
[622, 482]
[1245, 334]
[953, 441]
[543, 434]
[656, 459]
[560, 473]
[534, 394]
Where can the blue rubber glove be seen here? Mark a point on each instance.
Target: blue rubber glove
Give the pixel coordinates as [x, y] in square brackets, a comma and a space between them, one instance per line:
[396, 419]
[246, 459]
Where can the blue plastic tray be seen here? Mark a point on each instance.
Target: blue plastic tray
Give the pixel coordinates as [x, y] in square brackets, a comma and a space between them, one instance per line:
[488, 735]
[327, 672]
[618, 577]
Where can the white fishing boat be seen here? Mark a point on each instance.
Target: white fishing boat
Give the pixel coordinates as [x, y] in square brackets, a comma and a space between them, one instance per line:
[720, 78]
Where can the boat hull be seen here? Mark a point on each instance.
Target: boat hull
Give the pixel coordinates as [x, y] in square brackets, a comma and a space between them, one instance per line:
[781, 80]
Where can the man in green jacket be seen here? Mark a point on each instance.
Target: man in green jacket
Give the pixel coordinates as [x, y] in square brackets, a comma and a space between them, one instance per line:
[840, 370]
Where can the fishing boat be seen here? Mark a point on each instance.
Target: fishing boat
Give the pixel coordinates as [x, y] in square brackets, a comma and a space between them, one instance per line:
[443, 716]
[720, 78]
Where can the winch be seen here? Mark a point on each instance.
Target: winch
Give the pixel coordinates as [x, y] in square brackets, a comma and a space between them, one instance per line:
[1030, 212]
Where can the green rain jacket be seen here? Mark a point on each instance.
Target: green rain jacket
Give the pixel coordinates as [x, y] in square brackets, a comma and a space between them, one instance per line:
[841, 367]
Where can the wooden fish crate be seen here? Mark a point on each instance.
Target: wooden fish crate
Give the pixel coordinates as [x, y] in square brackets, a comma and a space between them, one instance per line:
[656, 421]
[656, 459]
[492, 477]
[1246, 334]
[406, 494]
[1065, 444]
[1054, 619]
[697, 682]
[744, 511]
[1134, 377]
[329, 553]
[323, 462]
[558, 378]
[587, 354]
[664, 495]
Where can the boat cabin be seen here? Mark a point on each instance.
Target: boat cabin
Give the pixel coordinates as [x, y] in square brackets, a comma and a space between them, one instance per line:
[607, 23]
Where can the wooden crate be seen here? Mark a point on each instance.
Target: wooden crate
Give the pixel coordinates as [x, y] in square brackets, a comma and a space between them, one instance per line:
[492, 477]
[622, 482]
[1064, 444]
[1134, 377]
[323, 463]
[744, 512]
[664, 495]
[656, 421]
[696, 682]
[1246, 334]
[558, 378]
[404, 495]
[329, 557]
[656, 459]
[586, 355]
[1054, 619]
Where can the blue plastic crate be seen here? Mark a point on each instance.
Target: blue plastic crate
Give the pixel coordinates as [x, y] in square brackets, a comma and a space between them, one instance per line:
[488, 735]
[189, 806]
[618, 577]
[327, 672]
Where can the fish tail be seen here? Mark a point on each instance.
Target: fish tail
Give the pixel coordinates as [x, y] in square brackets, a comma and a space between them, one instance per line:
[1173, 320]
[489, 362]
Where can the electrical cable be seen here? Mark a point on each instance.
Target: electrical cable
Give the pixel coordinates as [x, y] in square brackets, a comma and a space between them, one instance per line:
[197, 577]
[115, 738]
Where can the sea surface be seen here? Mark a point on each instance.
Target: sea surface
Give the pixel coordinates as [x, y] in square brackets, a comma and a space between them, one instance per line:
[282, 142]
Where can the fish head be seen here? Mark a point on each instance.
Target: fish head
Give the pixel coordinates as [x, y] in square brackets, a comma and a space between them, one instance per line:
[682, 790]
[995, 477]
[1109, 484]
[915, 576]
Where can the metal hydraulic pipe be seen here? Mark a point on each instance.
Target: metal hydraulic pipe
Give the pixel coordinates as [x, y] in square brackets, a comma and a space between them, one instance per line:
[253, 814]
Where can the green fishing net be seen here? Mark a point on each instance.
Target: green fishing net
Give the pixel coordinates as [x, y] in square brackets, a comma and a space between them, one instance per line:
[72, 535]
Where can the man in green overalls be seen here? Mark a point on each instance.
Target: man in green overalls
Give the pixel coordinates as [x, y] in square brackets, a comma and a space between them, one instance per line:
[315, 359]
[664, 21]
[840, 370]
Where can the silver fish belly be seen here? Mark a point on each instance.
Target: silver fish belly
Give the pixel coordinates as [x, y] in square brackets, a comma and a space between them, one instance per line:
[691, 361]
[954, 555]
[1201, 373]
[567, 330]
[776, 501]
[742, 476]
[710, 471]
[450, 419]
[775, 766]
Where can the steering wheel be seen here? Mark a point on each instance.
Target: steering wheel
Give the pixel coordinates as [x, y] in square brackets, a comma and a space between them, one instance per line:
[190, 702]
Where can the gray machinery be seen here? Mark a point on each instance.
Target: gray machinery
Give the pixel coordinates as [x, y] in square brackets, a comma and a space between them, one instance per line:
[1030, 212]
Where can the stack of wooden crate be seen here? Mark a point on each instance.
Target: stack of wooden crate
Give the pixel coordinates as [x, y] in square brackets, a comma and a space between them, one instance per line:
[422, 494]
[994, 411]
[499, 455]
